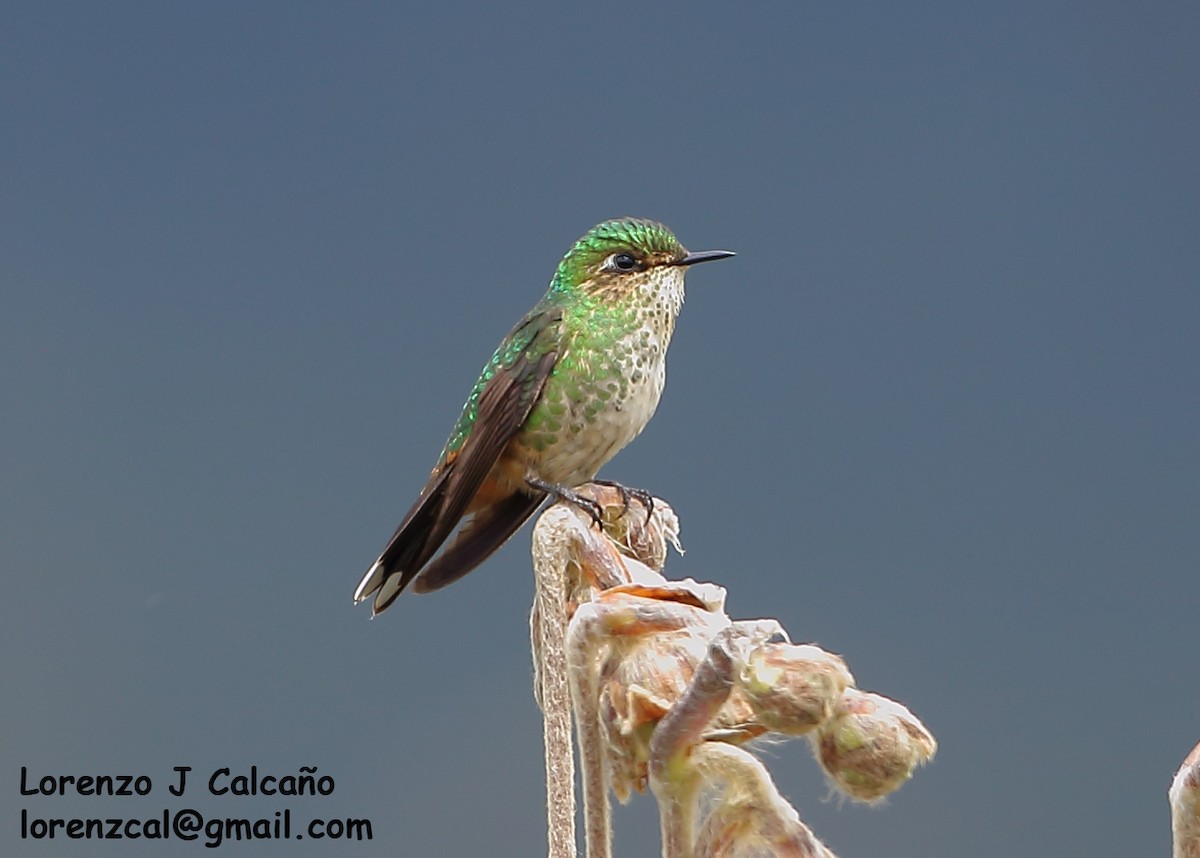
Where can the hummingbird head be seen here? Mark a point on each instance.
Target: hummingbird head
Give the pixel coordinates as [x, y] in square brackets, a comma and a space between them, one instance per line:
[627, 255]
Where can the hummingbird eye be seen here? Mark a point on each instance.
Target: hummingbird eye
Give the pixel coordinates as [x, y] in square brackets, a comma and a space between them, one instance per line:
[623, 261]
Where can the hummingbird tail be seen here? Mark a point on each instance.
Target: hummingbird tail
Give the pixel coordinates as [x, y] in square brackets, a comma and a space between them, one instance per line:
[414, 542]
[490, 528]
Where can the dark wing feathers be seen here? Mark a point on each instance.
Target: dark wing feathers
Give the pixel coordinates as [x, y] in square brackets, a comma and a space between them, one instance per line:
[503, 407]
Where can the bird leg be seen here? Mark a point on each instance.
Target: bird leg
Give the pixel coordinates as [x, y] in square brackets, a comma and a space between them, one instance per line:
[591, 507]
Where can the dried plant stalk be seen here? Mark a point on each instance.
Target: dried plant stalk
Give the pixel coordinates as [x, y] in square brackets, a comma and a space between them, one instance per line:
[1185, 807]
[664, 688]
[573, 562]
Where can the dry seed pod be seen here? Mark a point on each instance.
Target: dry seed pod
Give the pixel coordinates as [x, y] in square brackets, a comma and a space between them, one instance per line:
[872, 745]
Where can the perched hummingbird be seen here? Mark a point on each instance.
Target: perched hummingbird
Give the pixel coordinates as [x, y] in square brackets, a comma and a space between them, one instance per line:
[575, 381]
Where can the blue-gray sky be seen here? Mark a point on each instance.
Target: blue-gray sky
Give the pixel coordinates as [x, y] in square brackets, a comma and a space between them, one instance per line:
[940, 414]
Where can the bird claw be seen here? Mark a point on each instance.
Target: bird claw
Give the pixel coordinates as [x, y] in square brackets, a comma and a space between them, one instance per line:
[640, 495]
[592, 508]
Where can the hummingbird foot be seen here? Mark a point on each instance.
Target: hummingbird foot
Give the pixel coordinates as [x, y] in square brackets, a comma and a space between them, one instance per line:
[640, 495]
[591, 507]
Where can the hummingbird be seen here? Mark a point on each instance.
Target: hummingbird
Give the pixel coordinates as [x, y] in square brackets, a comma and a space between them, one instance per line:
[576, 380]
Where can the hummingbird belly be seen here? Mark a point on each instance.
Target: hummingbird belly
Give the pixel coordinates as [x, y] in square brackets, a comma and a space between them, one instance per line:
[569, 437]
